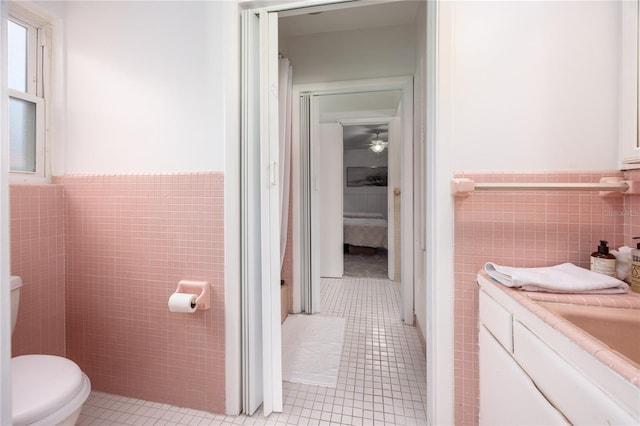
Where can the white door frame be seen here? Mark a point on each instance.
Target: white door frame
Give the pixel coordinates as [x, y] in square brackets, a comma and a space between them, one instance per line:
[439, 272]
[405, 85]
[439, 222]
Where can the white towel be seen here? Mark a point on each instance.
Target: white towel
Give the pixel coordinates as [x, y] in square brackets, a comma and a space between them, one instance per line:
[564, 278]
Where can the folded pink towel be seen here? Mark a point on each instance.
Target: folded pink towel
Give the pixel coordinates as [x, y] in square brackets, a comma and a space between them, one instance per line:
[564, 278]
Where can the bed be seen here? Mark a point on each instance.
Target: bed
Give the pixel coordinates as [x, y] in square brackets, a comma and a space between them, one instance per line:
[365, 230]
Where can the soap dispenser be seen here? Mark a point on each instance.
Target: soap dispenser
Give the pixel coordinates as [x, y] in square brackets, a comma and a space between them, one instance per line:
[602, 261]
[635, 267]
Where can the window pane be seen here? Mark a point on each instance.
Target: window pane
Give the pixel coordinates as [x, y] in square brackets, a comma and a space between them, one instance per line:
[22, 135]
[17, 38]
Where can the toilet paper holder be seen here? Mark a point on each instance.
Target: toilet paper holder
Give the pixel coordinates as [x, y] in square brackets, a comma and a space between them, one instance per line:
[200, 288]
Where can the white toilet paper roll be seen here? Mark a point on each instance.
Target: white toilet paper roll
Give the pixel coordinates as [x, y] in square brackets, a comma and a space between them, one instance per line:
[182, 302]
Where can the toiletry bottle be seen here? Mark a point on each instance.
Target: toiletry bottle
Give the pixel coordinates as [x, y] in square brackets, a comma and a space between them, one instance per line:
[602, 261]
[635, 267]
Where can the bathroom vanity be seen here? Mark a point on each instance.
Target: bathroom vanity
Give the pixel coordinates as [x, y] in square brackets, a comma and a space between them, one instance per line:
[540, 364]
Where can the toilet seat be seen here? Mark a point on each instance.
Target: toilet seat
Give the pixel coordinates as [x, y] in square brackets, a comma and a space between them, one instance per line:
[46, 389]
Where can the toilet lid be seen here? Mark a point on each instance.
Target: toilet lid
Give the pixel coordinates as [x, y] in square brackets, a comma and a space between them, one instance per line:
[42, 384]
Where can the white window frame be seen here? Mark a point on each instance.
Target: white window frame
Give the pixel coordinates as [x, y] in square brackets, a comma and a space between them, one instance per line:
[38, 71]
[40, 172]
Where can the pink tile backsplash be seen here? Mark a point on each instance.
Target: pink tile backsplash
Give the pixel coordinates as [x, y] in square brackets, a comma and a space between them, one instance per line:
[129, 240]
[522, 229]
[37, 255]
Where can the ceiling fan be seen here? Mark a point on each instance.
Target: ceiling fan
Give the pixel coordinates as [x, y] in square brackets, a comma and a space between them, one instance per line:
[377, 145]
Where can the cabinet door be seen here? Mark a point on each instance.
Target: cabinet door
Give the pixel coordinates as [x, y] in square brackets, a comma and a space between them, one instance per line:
[581, 400]
[507, 394]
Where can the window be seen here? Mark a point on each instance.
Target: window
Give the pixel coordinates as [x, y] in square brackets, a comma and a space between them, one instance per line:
[26, 57]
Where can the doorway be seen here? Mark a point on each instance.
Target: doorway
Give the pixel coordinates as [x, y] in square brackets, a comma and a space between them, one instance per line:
[359, 161]
[366, 170]
[405, 84]
[397, 113]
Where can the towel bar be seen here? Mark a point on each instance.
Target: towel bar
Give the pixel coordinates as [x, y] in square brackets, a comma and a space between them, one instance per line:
[608, 187]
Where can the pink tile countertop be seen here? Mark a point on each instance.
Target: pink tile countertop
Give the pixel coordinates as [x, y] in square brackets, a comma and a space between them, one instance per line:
[599, 350]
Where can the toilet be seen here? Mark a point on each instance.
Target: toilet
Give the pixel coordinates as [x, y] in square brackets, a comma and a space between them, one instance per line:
[46, 389]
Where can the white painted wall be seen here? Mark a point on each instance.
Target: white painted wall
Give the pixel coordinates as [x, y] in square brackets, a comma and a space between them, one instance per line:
[144, 86]
[351, 55]
[535, 85]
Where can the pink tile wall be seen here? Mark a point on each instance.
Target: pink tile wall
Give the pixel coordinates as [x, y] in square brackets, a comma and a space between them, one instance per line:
[520, 229]
[37, 255]
[129, 240]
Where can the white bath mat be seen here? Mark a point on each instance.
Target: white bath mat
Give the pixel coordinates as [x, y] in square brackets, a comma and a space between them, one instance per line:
[311, 349]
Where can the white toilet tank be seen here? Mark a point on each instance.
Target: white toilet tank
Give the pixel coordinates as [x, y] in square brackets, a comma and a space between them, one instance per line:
[45, 389]
[16, 283]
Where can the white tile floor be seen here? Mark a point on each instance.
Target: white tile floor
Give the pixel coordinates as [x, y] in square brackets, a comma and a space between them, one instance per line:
[381, 380]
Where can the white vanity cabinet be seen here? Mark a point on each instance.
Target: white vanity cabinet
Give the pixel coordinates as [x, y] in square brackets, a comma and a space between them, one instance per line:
[530, 373]
[508, 396]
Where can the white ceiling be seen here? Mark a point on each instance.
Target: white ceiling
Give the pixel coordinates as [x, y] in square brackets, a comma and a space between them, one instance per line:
[381, 102]
[375, 14]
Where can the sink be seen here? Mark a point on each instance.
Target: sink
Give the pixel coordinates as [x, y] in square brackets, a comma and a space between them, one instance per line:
[618, 328]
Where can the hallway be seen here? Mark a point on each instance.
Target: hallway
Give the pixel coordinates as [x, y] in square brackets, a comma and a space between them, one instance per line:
[381, 379]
